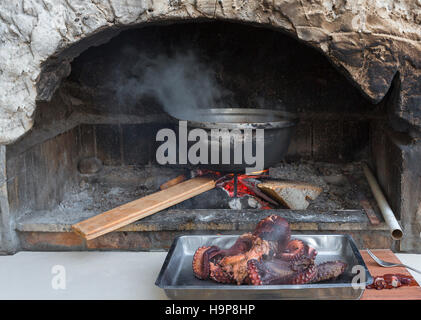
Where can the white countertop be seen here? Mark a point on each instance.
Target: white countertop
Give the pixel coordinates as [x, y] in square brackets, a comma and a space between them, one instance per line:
[94, 275]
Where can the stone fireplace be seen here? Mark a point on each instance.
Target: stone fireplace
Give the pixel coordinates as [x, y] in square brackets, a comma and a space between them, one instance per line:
[76, 141]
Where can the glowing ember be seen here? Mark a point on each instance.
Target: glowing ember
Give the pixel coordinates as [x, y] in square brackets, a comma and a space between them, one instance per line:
[240, 185]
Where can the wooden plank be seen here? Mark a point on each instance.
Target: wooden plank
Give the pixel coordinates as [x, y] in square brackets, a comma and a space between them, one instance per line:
[401, 293]
[118, 217]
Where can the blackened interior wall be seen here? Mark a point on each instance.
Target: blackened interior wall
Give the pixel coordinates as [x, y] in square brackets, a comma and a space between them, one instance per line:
[262, 68]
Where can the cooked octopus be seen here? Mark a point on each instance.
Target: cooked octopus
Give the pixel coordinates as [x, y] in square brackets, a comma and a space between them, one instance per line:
[268, 256]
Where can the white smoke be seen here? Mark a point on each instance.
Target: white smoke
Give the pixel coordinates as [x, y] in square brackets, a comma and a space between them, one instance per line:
[180, 82]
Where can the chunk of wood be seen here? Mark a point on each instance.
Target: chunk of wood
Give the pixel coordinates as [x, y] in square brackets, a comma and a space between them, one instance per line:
[292, 194]
[121, 216]
[371, 215]
[173, 182]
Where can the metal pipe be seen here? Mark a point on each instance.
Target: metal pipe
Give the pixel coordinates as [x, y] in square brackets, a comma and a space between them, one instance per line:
[388, 215]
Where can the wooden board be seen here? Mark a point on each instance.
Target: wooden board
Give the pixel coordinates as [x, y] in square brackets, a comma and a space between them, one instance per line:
[118, 217]
[402, 293]
[374, 220]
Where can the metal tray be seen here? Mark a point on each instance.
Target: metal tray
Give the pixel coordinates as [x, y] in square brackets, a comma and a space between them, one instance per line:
[177, 279]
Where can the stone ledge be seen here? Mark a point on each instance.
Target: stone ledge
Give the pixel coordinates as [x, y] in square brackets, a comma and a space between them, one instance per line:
[51, 230]
[162, 240]
[207, 220]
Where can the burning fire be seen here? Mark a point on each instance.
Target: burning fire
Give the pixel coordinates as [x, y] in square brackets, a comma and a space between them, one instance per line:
[240, 185]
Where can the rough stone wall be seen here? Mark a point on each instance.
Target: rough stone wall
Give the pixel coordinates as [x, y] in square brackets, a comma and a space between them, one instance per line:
[411, 203]
[371, 41]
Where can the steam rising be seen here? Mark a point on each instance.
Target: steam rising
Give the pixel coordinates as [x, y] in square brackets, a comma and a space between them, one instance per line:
[180, 83]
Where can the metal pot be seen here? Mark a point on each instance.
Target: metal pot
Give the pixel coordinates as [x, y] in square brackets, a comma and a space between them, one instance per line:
[233, 123]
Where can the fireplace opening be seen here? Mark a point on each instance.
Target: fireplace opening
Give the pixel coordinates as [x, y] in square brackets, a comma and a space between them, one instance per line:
[93, 146]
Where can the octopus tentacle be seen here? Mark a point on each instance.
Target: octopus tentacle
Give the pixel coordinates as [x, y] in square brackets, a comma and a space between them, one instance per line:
[305, 276]
[236, 265]
[389, 281]
[253, 273]
[278, 272]
[276, 231]
[293, 250]
[297, 249]
[200, 261]
[329, 270]
[243, 244]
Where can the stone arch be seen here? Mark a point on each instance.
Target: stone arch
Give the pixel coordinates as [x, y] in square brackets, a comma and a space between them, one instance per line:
[362, 38]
